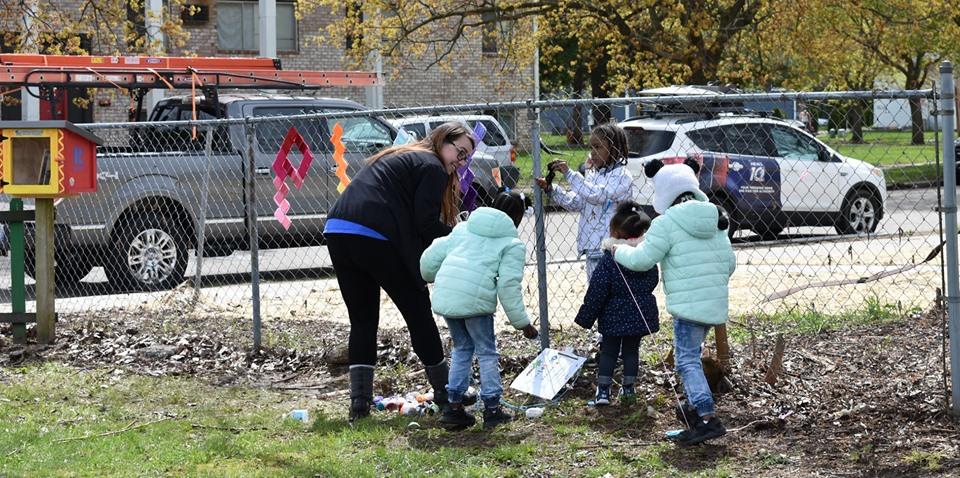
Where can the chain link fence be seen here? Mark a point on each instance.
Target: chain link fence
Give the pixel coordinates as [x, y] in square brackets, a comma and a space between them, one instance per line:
[833, 196]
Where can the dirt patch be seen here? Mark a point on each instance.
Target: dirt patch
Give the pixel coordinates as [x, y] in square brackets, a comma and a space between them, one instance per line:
[867, 401]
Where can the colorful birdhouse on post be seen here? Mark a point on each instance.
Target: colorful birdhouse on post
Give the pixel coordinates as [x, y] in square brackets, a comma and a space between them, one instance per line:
[47, 159]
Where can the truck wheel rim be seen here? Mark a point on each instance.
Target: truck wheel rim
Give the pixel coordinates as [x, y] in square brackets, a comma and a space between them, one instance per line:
[152, 256]
[862, 215]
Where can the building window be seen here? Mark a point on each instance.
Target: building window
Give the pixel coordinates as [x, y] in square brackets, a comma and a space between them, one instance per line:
[491, 30]
[495, 33]
[238, 25]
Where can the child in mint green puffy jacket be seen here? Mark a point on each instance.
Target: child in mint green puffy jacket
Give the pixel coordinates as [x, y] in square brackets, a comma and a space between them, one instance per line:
[689, 240]
[481, 260]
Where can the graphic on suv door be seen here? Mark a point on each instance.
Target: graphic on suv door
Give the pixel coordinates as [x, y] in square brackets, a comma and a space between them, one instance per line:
[750, 184]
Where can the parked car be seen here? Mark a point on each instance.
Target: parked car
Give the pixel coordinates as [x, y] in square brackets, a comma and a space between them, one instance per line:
[146, 213]
[496, 141]
[767, 173]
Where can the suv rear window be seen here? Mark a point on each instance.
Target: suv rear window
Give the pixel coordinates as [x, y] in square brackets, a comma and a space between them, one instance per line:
[751, 139]
[644, 142]
[416, 129]
[492, 136]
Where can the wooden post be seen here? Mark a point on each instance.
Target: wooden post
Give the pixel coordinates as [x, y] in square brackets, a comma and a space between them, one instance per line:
[46, 316]
[723, 347]
[18, 302]
[776, 363]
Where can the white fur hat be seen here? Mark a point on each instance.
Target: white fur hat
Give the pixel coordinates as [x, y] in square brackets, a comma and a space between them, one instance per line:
[670, 181]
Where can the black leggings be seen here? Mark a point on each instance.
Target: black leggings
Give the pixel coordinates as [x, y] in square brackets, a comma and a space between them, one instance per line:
[363, 266]
[610, 350]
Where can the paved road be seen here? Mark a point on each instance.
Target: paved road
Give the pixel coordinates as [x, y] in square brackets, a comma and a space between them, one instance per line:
[910, 211]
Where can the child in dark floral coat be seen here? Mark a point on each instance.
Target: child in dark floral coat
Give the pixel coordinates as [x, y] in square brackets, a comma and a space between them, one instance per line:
[621, 301]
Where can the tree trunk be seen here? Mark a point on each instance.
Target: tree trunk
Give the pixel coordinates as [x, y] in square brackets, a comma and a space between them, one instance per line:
[855, 121]
[598, 88]
[916, 122]
[914, 74]
[575, 123]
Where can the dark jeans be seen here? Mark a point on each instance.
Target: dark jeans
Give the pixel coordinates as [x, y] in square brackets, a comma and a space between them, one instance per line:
[613, 347]
[365, 265]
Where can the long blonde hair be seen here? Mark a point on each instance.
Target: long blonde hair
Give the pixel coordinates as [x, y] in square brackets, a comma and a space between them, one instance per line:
[433, 143]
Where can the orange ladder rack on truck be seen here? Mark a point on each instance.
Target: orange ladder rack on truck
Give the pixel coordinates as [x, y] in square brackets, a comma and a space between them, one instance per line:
[137, 74]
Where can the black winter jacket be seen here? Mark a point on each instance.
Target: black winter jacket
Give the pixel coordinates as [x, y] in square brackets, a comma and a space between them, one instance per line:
[398, 196]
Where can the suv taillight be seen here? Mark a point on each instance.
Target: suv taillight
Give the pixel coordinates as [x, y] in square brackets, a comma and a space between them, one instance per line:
[513, 154]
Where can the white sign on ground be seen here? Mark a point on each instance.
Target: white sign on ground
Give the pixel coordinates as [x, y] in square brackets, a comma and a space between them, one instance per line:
[548, 373]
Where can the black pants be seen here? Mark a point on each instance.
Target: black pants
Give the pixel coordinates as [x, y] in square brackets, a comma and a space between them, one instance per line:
[613, 347]
[365, 265]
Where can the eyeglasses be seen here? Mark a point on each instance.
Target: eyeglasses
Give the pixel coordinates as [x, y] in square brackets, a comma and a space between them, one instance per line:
[462, 153]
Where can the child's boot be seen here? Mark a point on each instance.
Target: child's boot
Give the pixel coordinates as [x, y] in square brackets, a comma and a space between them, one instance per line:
[455, 417]
[495, 416]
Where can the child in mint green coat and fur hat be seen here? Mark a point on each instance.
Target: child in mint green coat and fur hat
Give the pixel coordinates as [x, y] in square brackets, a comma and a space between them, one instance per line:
[482, 259]
[690, 242]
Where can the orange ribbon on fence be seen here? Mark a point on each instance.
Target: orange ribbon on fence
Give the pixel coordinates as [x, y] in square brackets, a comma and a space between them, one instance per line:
[338, 150]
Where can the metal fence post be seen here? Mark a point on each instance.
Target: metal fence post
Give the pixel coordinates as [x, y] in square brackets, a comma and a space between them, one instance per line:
[252, 230]
[208, 151]
[950, 218]
[18, 302]
[534, 117]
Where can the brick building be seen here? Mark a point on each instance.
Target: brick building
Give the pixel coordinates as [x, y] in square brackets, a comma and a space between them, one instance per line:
[228, 28]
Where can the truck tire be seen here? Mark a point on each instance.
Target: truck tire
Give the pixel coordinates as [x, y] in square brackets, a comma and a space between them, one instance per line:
[769, 231]
[150, 254]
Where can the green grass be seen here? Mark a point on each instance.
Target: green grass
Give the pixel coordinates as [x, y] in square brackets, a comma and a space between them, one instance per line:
[927, 460]
[811, 321]
[885, 148]
[890, 150]
[57, 421]
[574, 155]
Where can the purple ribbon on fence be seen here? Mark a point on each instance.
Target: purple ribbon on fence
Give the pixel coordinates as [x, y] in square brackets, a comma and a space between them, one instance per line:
[469, 194]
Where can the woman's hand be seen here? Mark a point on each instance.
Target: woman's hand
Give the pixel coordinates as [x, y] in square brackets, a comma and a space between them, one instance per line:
[547, 187]
[561, 166]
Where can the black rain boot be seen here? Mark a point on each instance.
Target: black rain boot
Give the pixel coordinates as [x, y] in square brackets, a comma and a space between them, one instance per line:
[361, 391]
[437, 375]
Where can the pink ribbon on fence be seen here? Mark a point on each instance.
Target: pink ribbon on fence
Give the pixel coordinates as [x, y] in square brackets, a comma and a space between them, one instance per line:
[284, 168]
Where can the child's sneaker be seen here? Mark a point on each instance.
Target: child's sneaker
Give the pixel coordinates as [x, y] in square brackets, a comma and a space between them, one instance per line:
[456, 418]
[701, 432]
[495, 416]
[602, 398]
